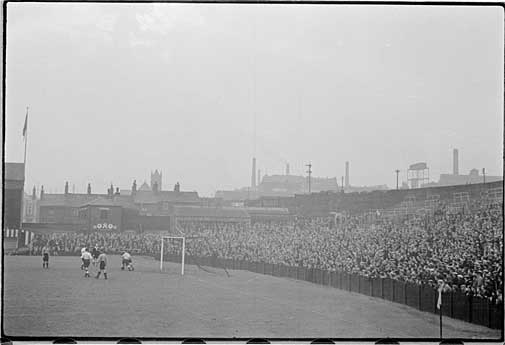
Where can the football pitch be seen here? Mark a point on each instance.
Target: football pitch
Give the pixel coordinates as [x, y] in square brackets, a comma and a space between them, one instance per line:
[59, 301]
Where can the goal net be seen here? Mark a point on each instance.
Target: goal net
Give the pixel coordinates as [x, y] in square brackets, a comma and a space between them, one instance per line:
[176, 245]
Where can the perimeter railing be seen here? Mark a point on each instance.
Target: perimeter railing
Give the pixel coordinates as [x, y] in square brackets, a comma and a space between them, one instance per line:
[457, 305]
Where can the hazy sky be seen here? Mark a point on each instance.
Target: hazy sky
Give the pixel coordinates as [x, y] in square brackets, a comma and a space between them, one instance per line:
[117, 90]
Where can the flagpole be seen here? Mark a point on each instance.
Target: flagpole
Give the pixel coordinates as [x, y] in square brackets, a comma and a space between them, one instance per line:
[26, 139]
[25, 134]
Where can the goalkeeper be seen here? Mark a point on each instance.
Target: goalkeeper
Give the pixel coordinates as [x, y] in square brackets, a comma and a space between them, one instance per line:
[126, 261]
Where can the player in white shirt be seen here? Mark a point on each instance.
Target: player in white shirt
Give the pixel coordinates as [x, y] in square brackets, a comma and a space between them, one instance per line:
[83, 249]
[127, 261]
[86, 260]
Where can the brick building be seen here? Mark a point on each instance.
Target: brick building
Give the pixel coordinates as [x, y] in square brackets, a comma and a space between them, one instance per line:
[14, 178]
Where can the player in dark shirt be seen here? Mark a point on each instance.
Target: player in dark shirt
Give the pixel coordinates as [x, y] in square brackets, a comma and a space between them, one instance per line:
[95, 253]
[102, 261]
[45, 257]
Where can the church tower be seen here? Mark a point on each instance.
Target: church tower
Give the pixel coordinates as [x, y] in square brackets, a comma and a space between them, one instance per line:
[156, 178]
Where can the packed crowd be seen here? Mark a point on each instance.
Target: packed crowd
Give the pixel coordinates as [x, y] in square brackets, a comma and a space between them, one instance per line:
[111, 242]
[463, 248]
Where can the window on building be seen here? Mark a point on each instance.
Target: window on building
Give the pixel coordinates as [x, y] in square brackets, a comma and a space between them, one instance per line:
[50, 212]
[104, 213]
[83, 213]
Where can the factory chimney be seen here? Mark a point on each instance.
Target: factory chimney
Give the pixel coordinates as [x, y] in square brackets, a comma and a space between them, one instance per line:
[347, 174]
[455, 162]
[253, 177]
[287, 169]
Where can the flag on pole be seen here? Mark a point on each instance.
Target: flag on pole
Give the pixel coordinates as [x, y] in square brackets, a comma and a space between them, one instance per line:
[25, 127]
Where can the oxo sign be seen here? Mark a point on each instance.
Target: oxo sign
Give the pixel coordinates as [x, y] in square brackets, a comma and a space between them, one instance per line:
[104, 226]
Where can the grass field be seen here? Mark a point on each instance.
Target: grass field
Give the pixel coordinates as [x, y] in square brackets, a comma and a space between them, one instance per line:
[149, 303]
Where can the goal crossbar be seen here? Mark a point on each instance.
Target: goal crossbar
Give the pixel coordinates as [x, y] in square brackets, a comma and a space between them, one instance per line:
[183, 250]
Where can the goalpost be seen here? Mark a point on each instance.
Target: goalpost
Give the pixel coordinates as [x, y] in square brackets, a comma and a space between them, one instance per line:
[163, 238]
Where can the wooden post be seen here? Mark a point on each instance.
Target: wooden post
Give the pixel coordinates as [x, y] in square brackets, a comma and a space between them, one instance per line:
[183, 252]
[161, 255]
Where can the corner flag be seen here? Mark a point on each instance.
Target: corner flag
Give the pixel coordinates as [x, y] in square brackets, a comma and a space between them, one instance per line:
[439, 301]
[442, 287]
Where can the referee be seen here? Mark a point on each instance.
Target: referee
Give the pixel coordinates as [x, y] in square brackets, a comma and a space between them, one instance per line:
[102, 264]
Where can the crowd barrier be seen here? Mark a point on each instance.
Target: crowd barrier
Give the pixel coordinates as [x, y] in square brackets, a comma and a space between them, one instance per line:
[456, 305]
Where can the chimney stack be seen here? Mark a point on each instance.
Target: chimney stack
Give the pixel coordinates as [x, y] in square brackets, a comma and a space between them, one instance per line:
[134, 187]
[41, 192]
[253, 177]
[66, 187]
[34, 193]
[455, 162]
[346, 174]
[89, 188]
[287, 168]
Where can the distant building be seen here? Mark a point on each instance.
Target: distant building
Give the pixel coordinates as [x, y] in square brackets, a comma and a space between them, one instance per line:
[151, 203]
[156, 179]
[13, 195]
[144, 208]
[472, 177]
[288, 185]
[145, 187]
[211, 202]
[237, 194]
[30, 207]
[101, 214]
[69, 208]
[283, 185]
[418, 174]
[456, 179]
[14, 178]
[115, 209]
[64, 208]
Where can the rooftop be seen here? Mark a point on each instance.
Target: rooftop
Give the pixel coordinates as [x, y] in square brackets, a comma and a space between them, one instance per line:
[150, 197]
[210, 212]
[71, 200]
